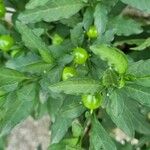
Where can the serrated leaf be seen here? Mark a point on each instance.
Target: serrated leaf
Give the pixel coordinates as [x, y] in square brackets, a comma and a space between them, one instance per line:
[10, 76]
[143, 81]
[76, 86]
[124, 26]
[116, 103]
[19, 109]
[53, 106]
[52, 11]
[99, 138]
[143, 140]
[35, 3]
[59, 51]
[29, 63]
[51, 77]
[72, 21]
[110, 78]
[141, 71]
[138, 93]
[37, 68]
[77, 35]
[88, 18]
[123, 121]
[22, 61]
[143, 46]
[130, 42]
[100, 16]
[70, 110]
[59, 129]
[137, 118]
[143, 5]
[140, 68]
[8, 88]
[126, 146]
[109, 3]
[31, 40]
[38, 31]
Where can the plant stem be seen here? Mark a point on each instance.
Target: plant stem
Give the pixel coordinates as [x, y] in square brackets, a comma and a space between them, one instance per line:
[86, 129]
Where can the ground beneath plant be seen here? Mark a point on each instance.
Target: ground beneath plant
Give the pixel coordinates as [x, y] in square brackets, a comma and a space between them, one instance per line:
[30, 135]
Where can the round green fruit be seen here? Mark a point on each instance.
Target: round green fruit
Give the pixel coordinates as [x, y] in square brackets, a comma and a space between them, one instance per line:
[80, 55]
[57, 39]
[92, 32]
[92, 101]
[6, 42]
[68, 72]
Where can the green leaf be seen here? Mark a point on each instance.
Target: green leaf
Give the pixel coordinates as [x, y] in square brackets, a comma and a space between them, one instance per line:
[123, 121]
[38, 68]
[141, 71]
[70, 141]
[59, 129]
[72, 21]
[77, 129]
[54, 10]
[124, 26]
[35, 3]
[53, 106]
[58, 146]
[143, 46]
[51, 77]
[143, 140]
[99, 138]
[77, 35]
[143, 5]
[140, 68]
[70, 110]
[34, 42]
[10, 76]
[60, 50]
[76, 86]
[88, 18]
[100, 16]
[137, 118]
[119, 112]
[130, 42]
[110, 78]
[22, 61]
[3, 30]
[63, 146]
[116, 103]
[126, 146]
[2, 143]
[8, 88]
[109, 3]
[139, 93]
[30, 63]
[143, 81]
[38, 31]
[17, 107]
